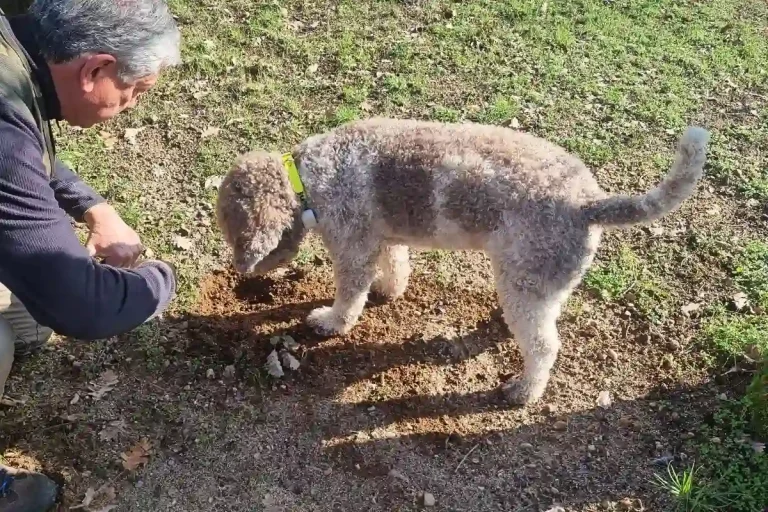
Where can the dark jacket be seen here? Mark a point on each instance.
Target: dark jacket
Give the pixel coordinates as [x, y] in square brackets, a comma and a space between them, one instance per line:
[41, 260]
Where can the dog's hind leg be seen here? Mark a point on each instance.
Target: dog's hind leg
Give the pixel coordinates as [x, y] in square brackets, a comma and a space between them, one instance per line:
[353, 273]
[395, 271]
[533, 282]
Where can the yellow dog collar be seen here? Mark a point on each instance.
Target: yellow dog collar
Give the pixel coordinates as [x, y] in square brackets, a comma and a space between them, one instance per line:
[307, 215]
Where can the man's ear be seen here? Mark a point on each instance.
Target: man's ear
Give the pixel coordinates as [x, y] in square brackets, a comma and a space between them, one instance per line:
[92, 66]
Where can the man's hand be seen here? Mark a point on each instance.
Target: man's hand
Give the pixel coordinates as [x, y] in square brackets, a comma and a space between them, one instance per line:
[111, 238]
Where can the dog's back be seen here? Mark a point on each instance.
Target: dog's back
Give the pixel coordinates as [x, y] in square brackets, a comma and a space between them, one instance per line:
[440, 185]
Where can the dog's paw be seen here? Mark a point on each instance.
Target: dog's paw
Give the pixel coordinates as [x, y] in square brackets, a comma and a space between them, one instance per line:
[520, 392]
[326, 323]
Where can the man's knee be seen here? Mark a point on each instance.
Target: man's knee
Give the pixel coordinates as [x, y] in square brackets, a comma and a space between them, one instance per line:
[7, 348]
[28, 334]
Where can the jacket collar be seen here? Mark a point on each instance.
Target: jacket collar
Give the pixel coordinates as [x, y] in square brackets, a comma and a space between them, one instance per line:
[24, 31]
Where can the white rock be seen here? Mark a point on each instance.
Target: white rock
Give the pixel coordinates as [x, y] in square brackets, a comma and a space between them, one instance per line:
[604, 399]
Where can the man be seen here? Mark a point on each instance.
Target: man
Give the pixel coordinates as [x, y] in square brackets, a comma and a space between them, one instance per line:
[83, 62]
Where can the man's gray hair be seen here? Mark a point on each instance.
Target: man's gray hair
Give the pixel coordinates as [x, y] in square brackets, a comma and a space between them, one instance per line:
[140, 34]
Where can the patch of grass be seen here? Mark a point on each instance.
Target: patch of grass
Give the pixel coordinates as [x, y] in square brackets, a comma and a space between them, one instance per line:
[735, 335]
[687, 494]
[628, 279]
[732, 471]
[751, 272]
[757, 401]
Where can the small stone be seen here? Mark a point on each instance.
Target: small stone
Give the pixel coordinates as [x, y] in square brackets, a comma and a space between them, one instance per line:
[715, 440]
[397, 475]
[591, 448]
[514, 123]
[612, 354]
[722, 396]
[668, 362]
[526, 446]
[210, 374]
[673, 345]
[604, 399]
[675, 416]
[429, 500]
[549, 409]
[149, 253]
[71, 358]
[560, 426]
[659, 445]
[229, 372]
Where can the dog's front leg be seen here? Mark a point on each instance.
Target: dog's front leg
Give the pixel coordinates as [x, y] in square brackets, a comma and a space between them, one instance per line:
[353, 275]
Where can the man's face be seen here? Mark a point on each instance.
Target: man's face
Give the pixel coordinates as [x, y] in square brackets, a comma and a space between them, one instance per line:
[98, 93]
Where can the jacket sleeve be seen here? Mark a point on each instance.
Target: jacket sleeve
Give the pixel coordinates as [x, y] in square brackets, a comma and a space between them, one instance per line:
[73, 195]
[43, 263]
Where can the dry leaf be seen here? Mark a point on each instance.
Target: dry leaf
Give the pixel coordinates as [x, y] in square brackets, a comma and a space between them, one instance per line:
[112, 431]
[106, 383]
[366, 106]
[211, 131]
[690, 308]
[108, 139]
[289, 361]
[89, 495]
[137, 456]
[180, 242]
[740, 300]
[131, 133]
[273, 365]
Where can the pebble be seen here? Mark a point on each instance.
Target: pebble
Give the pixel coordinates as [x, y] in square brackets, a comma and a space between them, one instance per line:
[715, 440]
[604, 399]
[210, 374]
[560, 426]
[667, 362]
[229, 372]
[398, 475]
[526, 446]
[613, 354]
[722, 396]
[429, 500]
[549, 409]
[673, 345]
[675, 416]
[591, 448]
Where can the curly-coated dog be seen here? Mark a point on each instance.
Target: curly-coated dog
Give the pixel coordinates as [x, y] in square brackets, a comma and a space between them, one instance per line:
[380, 186]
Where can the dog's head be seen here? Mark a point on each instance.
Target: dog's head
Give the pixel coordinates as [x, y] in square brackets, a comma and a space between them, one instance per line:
[259, 214]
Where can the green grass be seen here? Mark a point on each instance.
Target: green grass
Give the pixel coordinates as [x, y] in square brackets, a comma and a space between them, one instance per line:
[731, 474]
[735, 335]
[688, 495]
[627, 278]
[751, 272]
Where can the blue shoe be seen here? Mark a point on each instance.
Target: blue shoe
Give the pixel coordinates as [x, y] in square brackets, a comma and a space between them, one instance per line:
[24, 491]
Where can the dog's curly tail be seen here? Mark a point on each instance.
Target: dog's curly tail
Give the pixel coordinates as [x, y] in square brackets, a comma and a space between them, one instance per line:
[677, 186]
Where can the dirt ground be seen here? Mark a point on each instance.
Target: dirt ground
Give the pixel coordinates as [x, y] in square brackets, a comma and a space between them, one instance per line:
[407, 403]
